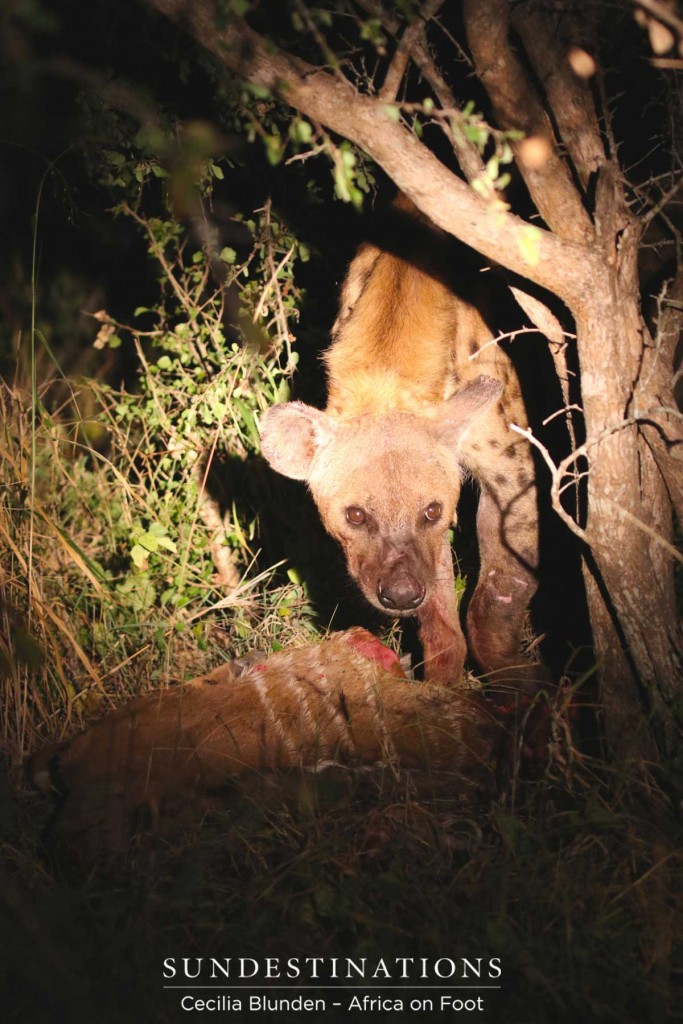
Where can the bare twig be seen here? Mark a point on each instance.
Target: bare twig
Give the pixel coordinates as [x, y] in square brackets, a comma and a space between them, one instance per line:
[210, 514]
[557, 473]
[404, 50]
[548, 325]
[326, 50]
[158, 251]
[667, 63]
[560, 470]
[273, 285]
[663, 202]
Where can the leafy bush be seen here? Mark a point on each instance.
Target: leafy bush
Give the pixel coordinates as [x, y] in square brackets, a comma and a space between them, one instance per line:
[114, 492]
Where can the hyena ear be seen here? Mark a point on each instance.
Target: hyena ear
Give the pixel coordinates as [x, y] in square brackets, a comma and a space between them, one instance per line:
[461, 411]
[292, 434]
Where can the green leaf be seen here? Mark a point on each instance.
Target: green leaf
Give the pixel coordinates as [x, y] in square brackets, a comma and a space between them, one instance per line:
[217, 172]
[356, 197]
[167, 543]
[492, 168]
[303, 131]
[148, 541]
[393, 113]
[228, 255]
[341, 186]
[482, 187]
[139, 556]
[249, 422]
[348, 158]
[259, 92]
[529, 241]
[284, 391]
[157, 530]
[274, 149]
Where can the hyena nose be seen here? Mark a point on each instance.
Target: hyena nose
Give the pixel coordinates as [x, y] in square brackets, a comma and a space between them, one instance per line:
[401, 594]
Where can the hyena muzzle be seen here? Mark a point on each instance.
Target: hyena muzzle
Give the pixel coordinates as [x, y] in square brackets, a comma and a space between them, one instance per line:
[419, 396]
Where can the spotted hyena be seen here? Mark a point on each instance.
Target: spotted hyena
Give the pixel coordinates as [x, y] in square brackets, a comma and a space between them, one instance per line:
[419, 397]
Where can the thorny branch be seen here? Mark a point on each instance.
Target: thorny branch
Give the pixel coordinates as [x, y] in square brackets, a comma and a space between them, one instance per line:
[561, 470]
[272, 285]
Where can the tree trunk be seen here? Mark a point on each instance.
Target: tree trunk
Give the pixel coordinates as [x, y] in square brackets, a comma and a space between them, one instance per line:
[629, 570]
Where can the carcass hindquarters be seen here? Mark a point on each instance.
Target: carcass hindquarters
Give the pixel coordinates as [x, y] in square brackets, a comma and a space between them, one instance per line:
[167, 757]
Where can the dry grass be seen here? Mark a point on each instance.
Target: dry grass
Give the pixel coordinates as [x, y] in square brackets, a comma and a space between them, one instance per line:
[83, 628]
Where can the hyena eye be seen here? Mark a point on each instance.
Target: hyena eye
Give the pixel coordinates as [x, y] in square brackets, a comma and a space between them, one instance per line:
[356, 516]
[433, 511]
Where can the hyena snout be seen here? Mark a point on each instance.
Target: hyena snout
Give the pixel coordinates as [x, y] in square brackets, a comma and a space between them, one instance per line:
[400, 587]
[400, 593]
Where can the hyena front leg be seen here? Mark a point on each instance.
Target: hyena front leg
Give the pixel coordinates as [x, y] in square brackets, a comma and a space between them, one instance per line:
[507, 528]
[443, 643]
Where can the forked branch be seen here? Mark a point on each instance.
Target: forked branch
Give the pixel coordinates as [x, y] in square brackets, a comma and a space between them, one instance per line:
[547, 43]
[465, 150]
[518, 107]
[559, 264]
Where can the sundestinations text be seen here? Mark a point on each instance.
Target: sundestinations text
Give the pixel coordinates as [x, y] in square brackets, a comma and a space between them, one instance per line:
[311, 968]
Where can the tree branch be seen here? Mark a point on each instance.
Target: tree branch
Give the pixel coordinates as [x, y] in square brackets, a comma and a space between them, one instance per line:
[466, 152]
[413, 32]
[569, 97]
[662, 12]
[562, 469]
[563, 266]
[670, 319]
[518, 107]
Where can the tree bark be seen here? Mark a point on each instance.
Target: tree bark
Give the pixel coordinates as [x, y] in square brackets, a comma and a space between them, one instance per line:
[544, 33]
[518, 107]
[628, 575]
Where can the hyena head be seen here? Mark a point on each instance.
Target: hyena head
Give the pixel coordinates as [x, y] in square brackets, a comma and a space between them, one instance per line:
[386, 485]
